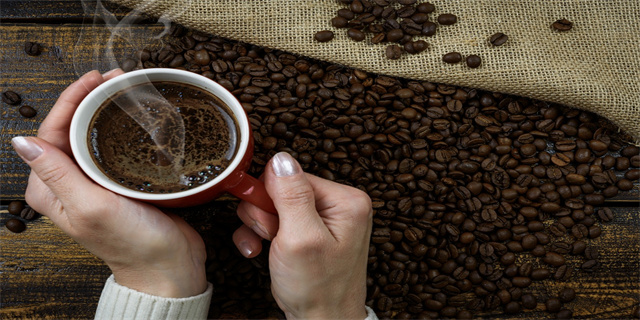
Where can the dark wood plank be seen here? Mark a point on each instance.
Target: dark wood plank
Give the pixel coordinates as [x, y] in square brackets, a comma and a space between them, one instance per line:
[40, 80]
[44, 274]
[57, 11]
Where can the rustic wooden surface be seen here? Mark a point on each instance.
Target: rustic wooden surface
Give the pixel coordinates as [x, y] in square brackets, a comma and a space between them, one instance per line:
[45, 275]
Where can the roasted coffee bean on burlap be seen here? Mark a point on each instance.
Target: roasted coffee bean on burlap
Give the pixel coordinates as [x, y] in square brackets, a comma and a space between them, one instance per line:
[477, 196]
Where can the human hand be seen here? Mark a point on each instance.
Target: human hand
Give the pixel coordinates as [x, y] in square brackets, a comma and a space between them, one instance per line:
[320, 242]
[146, 249]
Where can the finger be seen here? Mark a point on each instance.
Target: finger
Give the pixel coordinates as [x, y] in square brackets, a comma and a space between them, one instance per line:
[293, 196]
[346, 211]
[55, 127]
[263, 223]
[59, 173]
[247, 241]
[112, 74]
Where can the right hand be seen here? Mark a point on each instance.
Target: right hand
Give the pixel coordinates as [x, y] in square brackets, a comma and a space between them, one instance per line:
[320, 242]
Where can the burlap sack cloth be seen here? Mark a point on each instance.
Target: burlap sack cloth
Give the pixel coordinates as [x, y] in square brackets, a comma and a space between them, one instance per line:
[595, 66]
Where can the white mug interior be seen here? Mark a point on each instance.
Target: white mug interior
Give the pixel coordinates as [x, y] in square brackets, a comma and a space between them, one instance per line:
[84, 114]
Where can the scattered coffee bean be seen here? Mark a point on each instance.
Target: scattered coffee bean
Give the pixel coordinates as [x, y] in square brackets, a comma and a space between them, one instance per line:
[447, 19]
[324, 36]
[12, 98]
[28, 214]
[553, 305]
[473, 61]
[567, 295]
[393, 52]
[129, 65]
[498, 39]
[32, 48]
[27, 111]
[15, 225]
[562, 25]
[15, 207]
[355, 34]
[564, 314]
[452, 57]
[414, 47]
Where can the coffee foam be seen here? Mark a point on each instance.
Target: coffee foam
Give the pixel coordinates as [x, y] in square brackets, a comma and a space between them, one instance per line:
[165, 138]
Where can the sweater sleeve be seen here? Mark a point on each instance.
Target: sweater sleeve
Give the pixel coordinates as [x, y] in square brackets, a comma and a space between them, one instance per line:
[120, 302]
[370, 314]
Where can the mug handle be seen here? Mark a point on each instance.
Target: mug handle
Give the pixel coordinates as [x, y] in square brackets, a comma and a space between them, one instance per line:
[252, 190]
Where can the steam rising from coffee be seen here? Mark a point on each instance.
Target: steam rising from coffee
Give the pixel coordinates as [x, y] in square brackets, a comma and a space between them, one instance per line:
[110, 41]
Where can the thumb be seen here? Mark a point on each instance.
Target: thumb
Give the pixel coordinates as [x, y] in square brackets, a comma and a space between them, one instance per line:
[56, 170]
[292, 194]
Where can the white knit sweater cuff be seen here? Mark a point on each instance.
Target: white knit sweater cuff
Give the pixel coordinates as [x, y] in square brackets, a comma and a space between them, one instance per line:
[120, 302]
[370, 314]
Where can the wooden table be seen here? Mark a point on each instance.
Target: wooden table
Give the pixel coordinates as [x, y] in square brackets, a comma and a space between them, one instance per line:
[44, 274]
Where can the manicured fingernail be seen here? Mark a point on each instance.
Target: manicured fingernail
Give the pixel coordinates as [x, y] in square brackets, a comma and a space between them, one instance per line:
[26, 148]
[245, 248]
[284, 165]
[106, 74]
[259, 229]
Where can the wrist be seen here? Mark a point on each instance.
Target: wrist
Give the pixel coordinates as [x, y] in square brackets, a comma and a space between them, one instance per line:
[167, 283]
[359, 312]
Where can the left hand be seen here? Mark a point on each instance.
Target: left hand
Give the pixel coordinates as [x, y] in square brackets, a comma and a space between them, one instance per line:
[146, 249]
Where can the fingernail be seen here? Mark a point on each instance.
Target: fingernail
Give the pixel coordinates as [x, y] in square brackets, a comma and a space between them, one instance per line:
[26, 148]
[284, 165]
[259, 229]
[245, 248]
[106, 74]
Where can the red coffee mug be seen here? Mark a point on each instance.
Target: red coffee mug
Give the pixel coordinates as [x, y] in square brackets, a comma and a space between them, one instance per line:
[234, 179]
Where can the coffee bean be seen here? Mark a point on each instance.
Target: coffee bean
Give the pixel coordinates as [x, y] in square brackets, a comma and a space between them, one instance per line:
[563, 273]
[567, 295]
[553, 259]
[323, 36]
[553, 305]
[447, 19]
[393, 52]
[32, 48]
[12, 98]
[473, 61]
[15, 225]
[355, 34]
[498, 39]
[562, 25]
[452, 57]
[529, 301]
[336, 22]
[429, 28]
[589, 265]
[27, 111]
[15, 207]
[564, 314]
[28, 214]
[415, 47]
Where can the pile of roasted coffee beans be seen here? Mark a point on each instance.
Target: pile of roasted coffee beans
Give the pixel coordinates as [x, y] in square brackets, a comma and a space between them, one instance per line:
[476, 195]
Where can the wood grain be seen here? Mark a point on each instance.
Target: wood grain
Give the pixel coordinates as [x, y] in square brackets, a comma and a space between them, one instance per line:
[44, 274]
[57, 11]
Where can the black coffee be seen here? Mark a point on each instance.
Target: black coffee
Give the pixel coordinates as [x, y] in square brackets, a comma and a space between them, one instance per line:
[163, 145]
